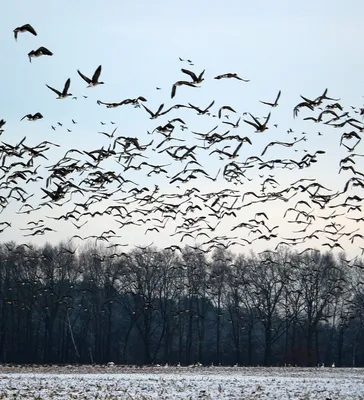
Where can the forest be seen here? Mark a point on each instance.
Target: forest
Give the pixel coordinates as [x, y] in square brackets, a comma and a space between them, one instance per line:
[148, 306]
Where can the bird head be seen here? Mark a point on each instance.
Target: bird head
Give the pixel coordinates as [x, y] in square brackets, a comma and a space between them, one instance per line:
[30, 55]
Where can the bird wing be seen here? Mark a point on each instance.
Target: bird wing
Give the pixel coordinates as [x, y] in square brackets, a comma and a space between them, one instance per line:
[251, 123]
[54, 90]
[160, 109]
[255, 120]
[45, 51]
[278, 96]
[241, 79]
[30, 29]
[268, 104]
[147, 109]
[267, 147]
[96, 75]
[66, 86]
[237, 149]
[190, 73]
[212, 103]
[227, 108]
[84, 77]
[266, 121]
[173, 92]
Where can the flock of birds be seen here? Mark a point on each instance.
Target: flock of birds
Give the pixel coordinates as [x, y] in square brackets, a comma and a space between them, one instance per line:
[196, 215]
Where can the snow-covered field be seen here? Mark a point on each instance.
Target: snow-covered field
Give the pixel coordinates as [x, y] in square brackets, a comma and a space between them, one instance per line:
[117, 383]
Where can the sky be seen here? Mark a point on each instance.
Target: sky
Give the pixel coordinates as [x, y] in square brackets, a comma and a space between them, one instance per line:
[298, 48]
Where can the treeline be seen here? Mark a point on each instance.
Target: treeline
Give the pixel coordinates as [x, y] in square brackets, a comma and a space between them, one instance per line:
[158, 306]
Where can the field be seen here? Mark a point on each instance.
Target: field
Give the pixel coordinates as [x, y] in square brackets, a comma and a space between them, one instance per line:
[180, 383]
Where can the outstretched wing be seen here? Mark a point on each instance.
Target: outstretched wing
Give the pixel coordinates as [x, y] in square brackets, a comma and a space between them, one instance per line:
[251, 123]
[30, 29]
[268, 104]
[147, 109]
[66, 86]
[45, 51]
[190, 73]
[97, 73]
[54, 90]
[278, 96]
[84, 77]
[266, 121]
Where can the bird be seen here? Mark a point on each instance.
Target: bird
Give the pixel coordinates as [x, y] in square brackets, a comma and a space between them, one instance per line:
[257, 125]
[34, 117]
[156, 114]
[24, 28]
[41, 51]
[180, 83]
[231, 75]
[275, 104]
[195, 78]
[95, 78]
[64, 93]
[234, 125]
[225, 108]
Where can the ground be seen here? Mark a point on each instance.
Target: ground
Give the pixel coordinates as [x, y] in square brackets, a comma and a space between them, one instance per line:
[117, 382]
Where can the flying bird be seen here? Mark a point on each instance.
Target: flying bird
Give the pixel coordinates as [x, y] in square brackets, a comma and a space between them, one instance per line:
[225, 108]
[195, 78]
[24, 28]
[275, 104]
[64, 93]
[156, 114]
[34, 117]
[231, 75]
[180, 83]
[95, 78]
[42, 51]
[257, 125]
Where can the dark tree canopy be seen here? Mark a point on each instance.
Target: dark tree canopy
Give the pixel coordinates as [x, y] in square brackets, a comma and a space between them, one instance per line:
[159, 306]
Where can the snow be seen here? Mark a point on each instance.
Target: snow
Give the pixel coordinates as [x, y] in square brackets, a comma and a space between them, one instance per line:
[115, 382]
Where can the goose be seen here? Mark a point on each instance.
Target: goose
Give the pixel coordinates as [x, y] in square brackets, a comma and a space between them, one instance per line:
[64, 93]
[180, 83]
[94, 81]
[24, 28]
[231, 75]
[42, 51]
[34, 117]
[257, 125]
[275, 104]
[195, 78]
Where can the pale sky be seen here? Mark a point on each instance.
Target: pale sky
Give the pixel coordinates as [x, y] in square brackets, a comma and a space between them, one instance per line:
[295, 47]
